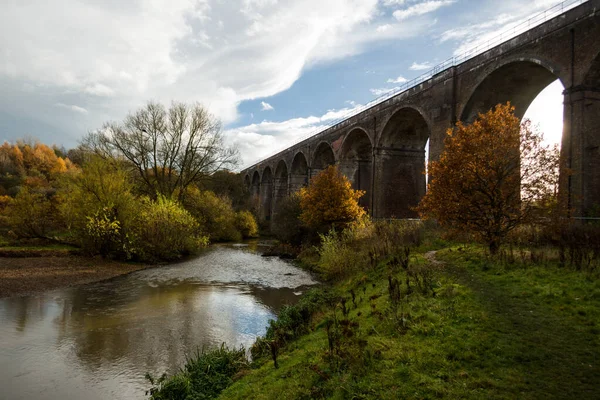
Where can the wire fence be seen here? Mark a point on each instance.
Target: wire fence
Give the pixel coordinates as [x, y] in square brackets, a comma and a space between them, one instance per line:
[504, 36]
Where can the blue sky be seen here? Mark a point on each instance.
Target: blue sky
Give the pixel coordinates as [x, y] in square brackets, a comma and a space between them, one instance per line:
[272, 70]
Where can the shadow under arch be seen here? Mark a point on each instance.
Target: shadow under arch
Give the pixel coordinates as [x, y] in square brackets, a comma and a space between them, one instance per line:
[399, 164]
[266, 194]
[280, 189]
[323, 157]
[255, 185]
[356, 162]
[298, 172]
[518, 81]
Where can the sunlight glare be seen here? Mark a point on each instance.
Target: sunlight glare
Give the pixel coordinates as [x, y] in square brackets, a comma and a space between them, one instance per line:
[546, 112]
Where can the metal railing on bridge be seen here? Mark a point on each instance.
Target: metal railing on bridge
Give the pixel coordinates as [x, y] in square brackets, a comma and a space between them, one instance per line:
[504, 36]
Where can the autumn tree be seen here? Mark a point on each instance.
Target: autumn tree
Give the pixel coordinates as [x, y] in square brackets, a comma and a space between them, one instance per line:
[491, 177]
[329, 200]
[168, 149]
[31, 214]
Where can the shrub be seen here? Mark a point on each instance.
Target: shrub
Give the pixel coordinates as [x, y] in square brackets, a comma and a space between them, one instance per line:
[104, 235]
[337, 256]
[166, 230]
[100, 185]
[246, 224]
[30, 214]
[215, 214]
[204, 376]
[4, 203]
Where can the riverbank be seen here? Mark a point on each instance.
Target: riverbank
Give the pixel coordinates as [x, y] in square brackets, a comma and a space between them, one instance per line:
[20, 276]
[468, 327]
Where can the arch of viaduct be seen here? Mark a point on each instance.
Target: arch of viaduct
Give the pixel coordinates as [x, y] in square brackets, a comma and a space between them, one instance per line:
[382, 149]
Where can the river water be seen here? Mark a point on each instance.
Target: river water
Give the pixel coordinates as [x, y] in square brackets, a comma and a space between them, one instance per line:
[97, 341]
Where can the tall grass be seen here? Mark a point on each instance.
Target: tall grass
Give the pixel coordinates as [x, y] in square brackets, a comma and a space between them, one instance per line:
[204, 376]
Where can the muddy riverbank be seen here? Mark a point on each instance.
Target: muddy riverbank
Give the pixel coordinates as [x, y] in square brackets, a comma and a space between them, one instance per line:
[25, 275]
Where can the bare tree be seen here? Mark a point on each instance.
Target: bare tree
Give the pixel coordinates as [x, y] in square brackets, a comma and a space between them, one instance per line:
[168, 149]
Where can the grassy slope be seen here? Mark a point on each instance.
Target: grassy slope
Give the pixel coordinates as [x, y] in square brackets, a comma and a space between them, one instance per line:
[490, 332]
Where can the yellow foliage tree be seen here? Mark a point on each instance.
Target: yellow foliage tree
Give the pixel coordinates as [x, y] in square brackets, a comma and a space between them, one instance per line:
[492, 176]
[329, 200]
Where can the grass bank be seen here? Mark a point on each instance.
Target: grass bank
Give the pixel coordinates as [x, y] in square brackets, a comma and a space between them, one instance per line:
[451, 323]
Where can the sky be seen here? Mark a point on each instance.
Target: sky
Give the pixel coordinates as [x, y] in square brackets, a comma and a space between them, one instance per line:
[273, 71]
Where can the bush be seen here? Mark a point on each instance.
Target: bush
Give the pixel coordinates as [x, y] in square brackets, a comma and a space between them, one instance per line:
[338, 256]
[4, 203]
[246, 224]
[287, 226]
[215, 214]
[104, 235]
[204, 376]
[166, 230]
[95, 201]
[30, 214]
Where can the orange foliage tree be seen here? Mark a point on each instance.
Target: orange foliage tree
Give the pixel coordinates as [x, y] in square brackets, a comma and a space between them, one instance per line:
[329, 200]
[492, 176]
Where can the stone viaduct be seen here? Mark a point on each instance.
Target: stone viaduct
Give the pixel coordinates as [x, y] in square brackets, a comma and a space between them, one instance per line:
[382, 149]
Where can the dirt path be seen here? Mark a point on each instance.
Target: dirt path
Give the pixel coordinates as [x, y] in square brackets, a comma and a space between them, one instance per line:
[21, 276]
[559, 360]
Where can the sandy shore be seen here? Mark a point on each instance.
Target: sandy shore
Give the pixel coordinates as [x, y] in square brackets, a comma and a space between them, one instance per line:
[21, 276]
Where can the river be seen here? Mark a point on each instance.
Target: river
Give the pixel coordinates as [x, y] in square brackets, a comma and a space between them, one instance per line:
[97, 341]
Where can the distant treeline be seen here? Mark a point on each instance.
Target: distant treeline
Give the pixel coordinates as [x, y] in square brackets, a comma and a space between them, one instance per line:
[101, 203]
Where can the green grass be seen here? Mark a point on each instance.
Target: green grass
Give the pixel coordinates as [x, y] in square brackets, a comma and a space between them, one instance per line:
[8, 249]
[490, 331]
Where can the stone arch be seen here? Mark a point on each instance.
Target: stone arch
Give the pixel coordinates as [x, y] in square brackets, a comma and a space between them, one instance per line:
[299, 172]
[280, 190]
[247, 182]
[255, 188]
[323, 157]
[400, 164]
[517, 80]
[356, 162]
[266, 194]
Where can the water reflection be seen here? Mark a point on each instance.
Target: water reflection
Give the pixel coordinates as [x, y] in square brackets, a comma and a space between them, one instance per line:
[98, 340]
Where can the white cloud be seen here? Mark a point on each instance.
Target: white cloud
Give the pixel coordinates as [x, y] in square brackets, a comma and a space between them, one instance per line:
[381, 91]
[258, 141]
[399, 79]
[421, 9]
[419, 66]
[99, 89]
[114, 56]
[72, 107]
[266, 106]
[389, 3]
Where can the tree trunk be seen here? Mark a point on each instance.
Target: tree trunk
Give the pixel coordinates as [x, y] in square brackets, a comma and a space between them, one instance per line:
[494, 246]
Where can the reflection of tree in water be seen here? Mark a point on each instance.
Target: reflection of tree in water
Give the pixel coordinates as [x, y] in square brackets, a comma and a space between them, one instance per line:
[23, 310]
[160, 326]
